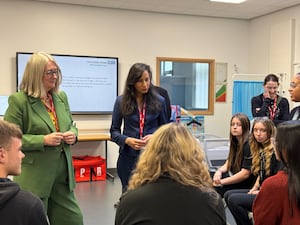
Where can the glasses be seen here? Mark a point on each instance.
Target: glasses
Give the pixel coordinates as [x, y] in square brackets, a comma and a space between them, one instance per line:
[51, 72]
[293, 85]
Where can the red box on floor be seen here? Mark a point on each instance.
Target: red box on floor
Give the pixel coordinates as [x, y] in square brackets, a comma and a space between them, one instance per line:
[89, 168]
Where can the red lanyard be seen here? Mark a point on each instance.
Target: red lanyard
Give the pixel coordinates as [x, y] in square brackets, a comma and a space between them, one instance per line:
[51, 111]
[142, 119]
[272, 109]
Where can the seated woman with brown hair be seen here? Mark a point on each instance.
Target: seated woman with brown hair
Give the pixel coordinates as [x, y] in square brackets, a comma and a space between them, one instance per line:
[236, 171]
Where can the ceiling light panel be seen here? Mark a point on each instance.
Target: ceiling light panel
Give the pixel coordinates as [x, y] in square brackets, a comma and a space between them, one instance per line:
[229, 1]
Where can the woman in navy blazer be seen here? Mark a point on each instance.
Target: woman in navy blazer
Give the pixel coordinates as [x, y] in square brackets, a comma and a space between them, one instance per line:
[42, 112]
[142, 111]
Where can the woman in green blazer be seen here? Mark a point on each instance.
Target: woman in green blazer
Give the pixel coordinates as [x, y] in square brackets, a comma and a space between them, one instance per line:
[42, 112]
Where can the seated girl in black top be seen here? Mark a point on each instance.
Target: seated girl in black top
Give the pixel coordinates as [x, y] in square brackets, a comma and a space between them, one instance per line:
[236, 172]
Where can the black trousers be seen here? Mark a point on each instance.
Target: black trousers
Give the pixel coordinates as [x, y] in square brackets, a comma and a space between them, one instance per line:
[240, 204]
[125, 165]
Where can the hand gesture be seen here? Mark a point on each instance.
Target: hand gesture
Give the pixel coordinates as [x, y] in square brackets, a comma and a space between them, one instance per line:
[147, 138]
[136, 144]
[53, 139]
[267, 94]
[217, 178]
[69, 137]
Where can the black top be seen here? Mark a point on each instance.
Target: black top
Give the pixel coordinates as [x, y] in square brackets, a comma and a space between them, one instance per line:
[169, 202]
[245, 164]
[18, 207]
[261, 107]
[274, 167]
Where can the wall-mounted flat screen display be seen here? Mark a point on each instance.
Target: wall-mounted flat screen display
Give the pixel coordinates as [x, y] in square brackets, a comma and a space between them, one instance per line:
[90, 82]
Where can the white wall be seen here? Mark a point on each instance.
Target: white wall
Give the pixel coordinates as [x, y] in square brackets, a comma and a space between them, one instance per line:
[261, 46]
[133, 37]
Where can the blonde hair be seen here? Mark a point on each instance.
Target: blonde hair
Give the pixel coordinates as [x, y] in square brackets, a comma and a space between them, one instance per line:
[174, 151]
[266, 148]
[32, 82]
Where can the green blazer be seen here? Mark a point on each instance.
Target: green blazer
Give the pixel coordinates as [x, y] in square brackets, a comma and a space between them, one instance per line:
[40, 162]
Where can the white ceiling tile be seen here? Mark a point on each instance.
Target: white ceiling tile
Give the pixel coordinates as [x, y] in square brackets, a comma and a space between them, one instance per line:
[246, 10]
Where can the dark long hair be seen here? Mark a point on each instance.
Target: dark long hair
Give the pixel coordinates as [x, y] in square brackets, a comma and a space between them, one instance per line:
[129, 104]
[287, 147]
[235, 156]
[271, 77]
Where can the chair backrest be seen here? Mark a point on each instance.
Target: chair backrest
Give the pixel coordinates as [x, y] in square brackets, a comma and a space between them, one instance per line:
[216, 151]
[202, 136]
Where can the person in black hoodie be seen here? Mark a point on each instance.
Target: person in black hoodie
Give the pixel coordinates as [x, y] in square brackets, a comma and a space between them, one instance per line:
[17, 207]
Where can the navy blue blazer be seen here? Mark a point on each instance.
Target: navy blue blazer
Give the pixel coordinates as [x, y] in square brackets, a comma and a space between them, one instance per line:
[295, 113]
[131, 124]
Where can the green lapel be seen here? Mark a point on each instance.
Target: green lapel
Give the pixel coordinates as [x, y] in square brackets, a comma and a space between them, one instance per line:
[62, 116]
[41, 111]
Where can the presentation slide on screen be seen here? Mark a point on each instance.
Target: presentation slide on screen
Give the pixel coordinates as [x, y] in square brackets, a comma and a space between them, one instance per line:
[90, 82]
